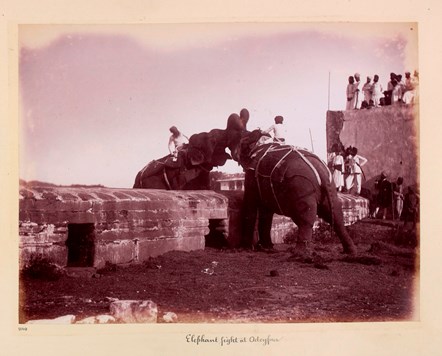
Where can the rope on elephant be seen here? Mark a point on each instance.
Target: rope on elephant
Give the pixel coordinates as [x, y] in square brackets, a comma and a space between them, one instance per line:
[276, 148]
[257, 174]
[271, 184]
[166, 179]
[318, 178]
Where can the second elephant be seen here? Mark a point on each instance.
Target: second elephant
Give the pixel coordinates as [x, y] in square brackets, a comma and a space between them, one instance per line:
[287, 181]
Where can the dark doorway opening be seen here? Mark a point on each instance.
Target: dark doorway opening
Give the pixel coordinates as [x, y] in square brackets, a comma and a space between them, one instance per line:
[217, 236]
[81, 245]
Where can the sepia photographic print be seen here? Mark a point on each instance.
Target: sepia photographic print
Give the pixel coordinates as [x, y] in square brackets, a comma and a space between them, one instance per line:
[227, 182]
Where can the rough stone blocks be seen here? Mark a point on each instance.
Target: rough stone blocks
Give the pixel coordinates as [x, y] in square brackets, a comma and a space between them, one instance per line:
[112, 225]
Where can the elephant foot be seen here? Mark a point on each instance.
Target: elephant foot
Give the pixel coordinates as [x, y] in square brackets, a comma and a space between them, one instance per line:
[302, 252]
[350, 251]
[246, 246]
[303, 258]
[268, 248]
[313, 259]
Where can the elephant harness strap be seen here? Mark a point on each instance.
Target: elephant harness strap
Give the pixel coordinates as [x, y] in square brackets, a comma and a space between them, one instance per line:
[286, 150]
[187, 174]
[166, 179]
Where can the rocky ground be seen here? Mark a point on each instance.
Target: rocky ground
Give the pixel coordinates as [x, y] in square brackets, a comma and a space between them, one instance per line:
[224, 286]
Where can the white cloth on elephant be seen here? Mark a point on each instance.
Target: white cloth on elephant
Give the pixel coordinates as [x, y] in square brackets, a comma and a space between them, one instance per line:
[263, 140]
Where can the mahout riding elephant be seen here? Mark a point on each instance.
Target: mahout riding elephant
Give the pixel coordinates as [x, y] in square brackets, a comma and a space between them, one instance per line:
[191, 169]
[288, 181]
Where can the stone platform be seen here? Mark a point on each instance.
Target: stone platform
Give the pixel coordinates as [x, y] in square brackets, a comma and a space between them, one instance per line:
[89, 227]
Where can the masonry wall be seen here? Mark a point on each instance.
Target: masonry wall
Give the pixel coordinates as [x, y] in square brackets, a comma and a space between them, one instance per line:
[386, 136]
[354, 208]
[128, 225]
[123, 226]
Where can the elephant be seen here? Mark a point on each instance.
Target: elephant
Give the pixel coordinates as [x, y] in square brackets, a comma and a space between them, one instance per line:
[165, 173]
[191, 169]
[288, 181]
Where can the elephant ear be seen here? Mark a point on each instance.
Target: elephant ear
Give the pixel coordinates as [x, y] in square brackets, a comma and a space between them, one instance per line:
[205, 143]
[247, 143]
[235, 123]
[195, 156]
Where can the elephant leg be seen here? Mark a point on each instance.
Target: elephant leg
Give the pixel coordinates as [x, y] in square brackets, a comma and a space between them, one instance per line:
[304, 241]
[304, 216]
[248, 227]
[265, 219]
[249, 210]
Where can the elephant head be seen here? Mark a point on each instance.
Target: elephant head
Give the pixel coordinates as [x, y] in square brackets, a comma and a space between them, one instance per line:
[208, 149]
[204, 151]
[236, 127]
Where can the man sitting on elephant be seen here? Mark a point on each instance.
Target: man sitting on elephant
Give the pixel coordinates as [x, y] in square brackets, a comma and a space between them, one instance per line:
[176, 142]
[277, 130]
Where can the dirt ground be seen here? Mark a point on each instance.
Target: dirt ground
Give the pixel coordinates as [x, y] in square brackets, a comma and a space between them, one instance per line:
[237, 286]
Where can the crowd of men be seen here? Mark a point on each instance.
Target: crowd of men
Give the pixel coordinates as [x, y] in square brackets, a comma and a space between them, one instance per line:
[372, 94]
[389, 196]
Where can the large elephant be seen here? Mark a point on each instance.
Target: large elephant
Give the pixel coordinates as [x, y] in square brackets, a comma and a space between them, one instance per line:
[288, 181]
[195, 160]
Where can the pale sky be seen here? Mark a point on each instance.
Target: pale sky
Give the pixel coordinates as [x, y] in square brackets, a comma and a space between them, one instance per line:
[97, 101]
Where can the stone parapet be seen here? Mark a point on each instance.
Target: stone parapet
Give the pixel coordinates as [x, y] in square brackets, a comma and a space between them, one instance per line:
[112, 225]
[89, 227]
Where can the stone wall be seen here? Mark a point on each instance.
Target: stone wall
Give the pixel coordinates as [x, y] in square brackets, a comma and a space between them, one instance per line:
[115, 225]
[387, 136]
[354, 208]
[87, 227]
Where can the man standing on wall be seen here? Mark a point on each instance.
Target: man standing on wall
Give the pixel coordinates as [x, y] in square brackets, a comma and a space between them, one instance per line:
[357, 93]
[377, 91]
[351, 93]
[367, 89]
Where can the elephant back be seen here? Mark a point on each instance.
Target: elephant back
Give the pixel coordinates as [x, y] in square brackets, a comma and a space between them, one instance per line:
[283, 162]
[154, 167]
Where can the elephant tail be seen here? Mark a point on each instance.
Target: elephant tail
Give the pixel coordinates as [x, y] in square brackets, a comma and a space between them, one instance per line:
[329, 193]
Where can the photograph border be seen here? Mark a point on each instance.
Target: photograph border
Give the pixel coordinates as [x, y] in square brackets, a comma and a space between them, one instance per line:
[406, 338]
